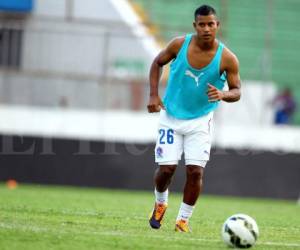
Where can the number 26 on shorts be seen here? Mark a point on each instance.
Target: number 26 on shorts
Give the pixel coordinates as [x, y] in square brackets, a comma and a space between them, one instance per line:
[166, 136]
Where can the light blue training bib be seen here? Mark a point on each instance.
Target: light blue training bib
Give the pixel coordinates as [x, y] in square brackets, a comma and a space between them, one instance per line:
[186, 93]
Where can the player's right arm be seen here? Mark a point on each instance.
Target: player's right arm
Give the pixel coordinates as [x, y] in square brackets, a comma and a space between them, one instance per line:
[164, 57]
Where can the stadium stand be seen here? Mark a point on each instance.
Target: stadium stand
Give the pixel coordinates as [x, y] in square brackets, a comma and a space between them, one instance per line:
[261, 33]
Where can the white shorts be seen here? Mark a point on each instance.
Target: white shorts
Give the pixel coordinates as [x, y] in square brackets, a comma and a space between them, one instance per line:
[193, 137]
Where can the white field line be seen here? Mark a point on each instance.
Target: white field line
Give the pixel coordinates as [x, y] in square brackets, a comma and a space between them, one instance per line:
[36, 229]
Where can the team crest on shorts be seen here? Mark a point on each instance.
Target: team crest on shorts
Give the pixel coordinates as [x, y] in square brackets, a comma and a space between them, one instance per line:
[206, 152]
[159, 152]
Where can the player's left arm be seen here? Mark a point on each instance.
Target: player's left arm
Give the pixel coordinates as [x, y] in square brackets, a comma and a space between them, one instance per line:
[230, 65]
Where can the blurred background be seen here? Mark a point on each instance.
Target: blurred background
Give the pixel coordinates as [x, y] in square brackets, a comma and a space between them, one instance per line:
[74, 89]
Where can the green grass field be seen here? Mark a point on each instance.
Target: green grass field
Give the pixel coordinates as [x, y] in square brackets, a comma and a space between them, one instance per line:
[45, 217]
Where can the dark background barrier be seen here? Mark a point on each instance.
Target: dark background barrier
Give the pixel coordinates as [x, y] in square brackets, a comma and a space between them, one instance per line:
[131, 166]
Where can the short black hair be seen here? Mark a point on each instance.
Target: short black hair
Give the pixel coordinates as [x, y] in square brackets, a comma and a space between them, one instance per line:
[205, 10]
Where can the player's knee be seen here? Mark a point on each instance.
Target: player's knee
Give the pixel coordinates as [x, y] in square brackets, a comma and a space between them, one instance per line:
[194, 173]
[167, 171]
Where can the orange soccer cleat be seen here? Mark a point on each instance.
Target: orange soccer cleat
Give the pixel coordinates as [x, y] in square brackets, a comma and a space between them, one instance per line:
[182, 226]
[157, 215]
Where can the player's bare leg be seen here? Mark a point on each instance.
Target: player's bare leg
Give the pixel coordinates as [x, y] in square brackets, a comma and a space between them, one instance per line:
[162, 178]
[193, 185]
[192, 189]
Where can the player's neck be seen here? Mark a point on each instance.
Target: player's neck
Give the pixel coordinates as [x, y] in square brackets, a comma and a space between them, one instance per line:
[204, 45]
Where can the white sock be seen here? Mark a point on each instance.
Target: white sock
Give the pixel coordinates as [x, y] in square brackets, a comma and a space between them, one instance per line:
[161, 198]
[185, 212]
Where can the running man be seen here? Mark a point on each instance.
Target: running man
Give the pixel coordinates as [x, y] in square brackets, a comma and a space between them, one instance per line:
[200, 65]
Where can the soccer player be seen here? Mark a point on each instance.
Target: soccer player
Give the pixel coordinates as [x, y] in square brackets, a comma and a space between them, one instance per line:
[200, 65]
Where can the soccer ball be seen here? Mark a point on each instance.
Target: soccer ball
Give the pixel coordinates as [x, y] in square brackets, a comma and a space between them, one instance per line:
[240, 231]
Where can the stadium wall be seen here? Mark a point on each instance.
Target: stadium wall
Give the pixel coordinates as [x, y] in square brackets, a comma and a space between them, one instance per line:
[245, 173]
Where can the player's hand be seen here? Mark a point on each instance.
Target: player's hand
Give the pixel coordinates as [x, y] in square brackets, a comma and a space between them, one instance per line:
[214, 94]
[155, 104]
